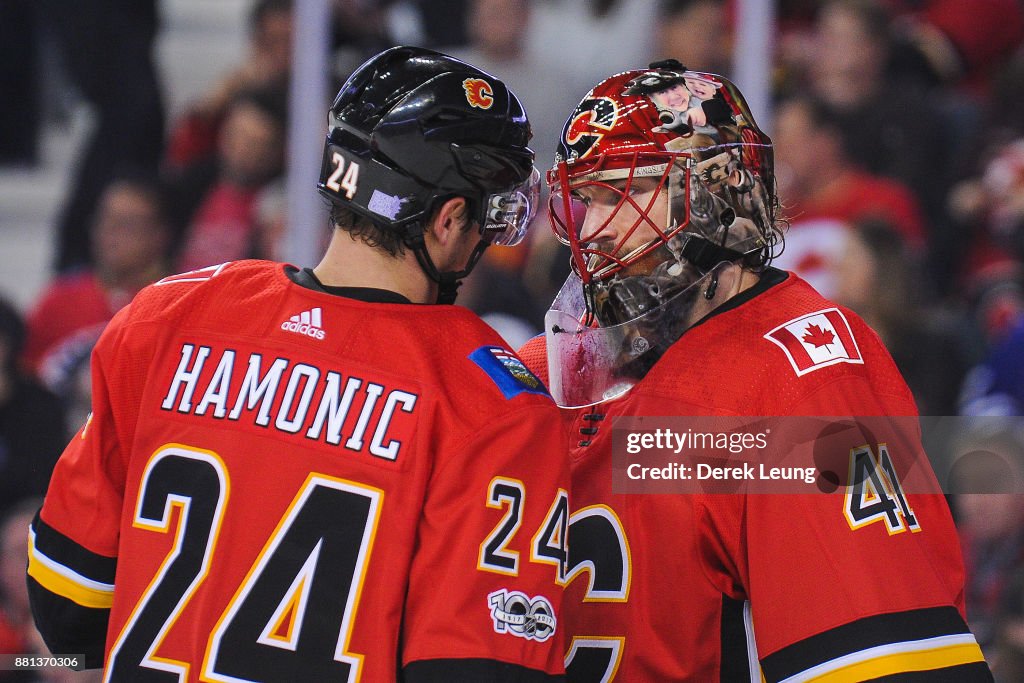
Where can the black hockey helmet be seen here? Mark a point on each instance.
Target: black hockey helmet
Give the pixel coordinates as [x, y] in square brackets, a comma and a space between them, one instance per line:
[412, 127]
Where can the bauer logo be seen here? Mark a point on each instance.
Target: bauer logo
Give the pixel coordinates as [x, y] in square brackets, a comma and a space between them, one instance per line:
[309, 323]
[519, 615]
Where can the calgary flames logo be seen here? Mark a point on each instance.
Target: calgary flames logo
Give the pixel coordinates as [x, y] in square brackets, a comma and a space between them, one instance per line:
[586, 127]
[478, 93]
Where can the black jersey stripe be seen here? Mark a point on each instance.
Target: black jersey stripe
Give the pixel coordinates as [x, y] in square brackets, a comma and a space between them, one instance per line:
[735, 664]
[447, 670]
[873, 631]
[65, 552]
[67, 626]
[977, 672]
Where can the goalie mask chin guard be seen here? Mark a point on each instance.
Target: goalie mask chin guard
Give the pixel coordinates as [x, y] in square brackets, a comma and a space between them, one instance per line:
[640, 316]
[412, 128]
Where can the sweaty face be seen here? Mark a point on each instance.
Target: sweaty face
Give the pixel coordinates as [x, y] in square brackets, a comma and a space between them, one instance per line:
[621, 219]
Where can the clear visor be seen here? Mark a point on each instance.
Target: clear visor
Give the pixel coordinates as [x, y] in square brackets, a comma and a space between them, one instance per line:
[590, 365]
[507, 215]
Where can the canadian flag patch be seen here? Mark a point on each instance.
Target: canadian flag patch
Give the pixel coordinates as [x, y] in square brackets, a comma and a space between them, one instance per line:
[817, 340]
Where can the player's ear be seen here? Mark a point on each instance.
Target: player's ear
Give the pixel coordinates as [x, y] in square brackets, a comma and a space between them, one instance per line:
[450, 219]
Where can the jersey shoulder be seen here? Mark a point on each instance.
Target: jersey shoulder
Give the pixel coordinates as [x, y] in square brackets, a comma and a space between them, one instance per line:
[475, 362]
[222, 291]
[534, 354]
[811, 342]
[781, 348]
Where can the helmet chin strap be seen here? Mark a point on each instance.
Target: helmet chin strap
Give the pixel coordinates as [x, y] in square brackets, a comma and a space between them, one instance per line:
[449, 281]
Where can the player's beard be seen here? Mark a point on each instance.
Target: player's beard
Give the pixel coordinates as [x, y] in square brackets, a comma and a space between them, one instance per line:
[654, 308]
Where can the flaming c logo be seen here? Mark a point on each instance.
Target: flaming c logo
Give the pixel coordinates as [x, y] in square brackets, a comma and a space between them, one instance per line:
[478, 93]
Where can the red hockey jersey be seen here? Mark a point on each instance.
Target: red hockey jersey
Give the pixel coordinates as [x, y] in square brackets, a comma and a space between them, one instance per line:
[281, 484]
[794, 587]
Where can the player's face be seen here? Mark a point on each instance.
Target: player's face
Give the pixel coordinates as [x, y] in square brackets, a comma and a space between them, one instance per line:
[620, 220]
[677, 97]
[700, 89]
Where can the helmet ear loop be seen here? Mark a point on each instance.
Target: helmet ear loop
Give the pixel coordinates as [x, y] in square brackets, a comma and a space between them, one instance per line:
[727, 218]
[448, 281]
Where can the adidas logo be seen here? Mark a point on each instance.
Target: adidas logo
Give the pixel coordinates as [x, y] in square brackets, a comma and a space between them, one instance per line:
[307, 323]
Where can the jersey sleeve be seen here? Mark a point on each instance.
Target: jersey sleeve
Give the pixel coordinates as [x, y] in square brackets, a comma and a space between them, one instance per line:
[861, 578]
[486, 581]
[73, 539]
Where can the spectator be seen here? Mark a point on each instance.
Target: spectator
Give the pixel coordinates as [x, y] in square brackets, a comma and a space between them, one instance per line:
[892, 126]
[825, 192]
[962, 44]
[876, 275]
[216, 203]
[267, 65]
[988, 213]
[996, 385]
[593, 36]
[694, 32]
[32, 424]
[15, 615]
[130, 242]
[361, 28]
[1004, 121]
[498, 32]
[987, 485]
[108, 50]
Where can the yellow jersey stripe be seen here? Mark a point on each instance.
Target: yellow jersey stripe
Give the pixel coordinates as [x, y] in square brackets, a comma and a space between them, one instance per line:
[923, 655]
[44, 570]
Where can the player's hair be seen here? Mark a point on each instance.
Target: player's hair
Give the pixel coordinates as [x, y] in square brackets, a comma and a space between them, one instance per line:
[673, 8]
[270, 100]
[377, 236]
[362, 228]
[147, 184]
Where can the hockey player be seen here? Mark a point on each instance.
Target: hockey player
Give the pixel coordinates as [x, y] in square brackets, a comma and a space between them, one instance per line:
[321, 474]
[674, 310]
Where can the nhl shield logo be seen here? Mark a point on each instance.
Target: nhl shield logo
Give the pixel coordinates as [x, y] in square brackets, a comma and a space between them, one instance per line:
[817, 340]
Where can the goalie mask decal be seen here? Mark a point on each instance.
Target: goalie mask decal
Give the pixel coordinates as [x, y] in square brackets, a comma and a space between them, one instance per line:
[588, 124]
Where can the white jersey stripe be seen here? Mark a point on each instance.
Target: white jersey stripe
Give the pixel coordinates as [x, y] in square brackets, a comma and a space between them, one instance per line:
[906, 647]
[67, 573]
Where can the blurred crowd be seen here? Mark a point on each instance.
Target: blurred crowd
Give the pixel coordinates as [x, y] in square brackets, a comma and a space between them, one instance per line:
[899, 131]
